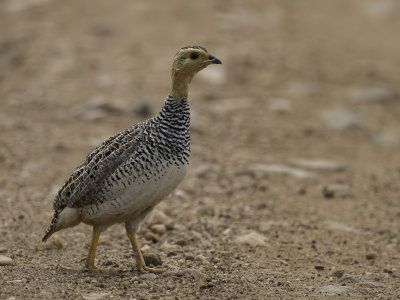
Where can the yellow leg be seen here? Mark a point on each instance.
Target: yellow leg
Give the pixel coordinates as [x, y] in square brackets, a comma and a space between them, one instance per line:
[140, 264]
[92, 249]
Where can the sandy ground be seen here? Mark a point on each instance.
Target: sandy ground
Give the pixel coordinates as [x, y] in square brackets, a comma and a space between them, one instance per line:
[311, 80]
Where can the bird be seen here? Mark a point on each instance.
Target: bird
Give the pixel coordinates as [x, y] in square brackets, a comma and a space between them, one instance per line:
[128, 174]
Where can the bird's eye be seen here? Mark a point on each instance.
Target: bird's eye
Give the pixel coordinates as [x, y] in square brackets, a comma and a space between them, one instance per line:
[194, 55]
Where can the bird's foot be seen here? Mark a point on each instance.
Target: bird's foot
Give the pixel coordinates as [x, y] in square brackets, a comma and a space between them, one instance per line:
[142, 268]
[91, 267]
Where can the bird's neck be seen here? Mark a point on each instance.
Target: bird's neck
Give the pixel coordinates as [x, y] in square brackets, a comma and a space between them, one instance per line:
[180, 85]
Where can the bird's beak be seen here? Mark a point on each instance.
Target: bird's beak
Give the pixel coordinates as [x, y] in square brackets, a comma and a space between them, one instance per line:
[213, 60]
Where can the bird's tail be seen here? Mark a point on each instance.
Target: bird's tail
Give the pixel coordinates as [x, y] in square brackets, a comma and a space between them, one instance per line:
[52, 228]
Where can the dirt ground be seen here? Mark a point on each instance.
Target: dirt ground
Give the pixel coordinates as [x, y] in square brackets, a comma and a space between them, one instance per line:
[294, 183]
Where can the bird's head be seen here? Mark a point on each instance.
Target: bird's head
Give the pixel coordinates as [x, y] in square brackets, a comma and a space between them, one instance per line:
[192, 59]
[187, 62]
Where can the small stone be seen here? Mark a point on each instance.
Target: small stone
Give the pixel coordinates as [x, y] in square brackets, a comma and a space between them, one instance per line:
[386, 138]
[167, 248]
[317, 164]
[227, 231]
[338, 273]
[159, 229]
[152, 259]
[348, 278]
[96, 296]
[145, 248]
[341, 118]
[280, 105]
[148, 276]
[334, 289]
[268, 225]
[200, 258]
[370, 256]
[389, 271]
[253, 239]
[3, 249]
[341, 226]
[370, 284]
[383, 9]
[319, 268]
[97, 108]
[202, 170]
[109, 263]
[280, 169]
[216, 260]
[181, 242]
[150, 237]
[102, 29]
[159, 217]
[55, 243]
[189, 257]
[5, 261]
[373, 94]
[192, 273]
[332, 190]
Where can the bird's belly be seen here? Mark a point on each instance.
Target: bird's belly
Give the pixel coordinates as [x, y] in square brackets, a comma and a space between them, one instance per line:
[129, 201]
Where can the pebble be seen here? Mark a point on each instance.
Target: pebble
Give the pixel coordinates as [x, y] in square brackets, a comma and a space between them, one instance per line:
[268, 225]
[103, 29]
[5, 261]
[145, 248]
[152, 259]
[148, 276]
[334, 289]
[96, 109]
[195, 274]
[280, 106]
[317, 164]
[370, 256]
[253, 239]
[150, 237]
[159, 217]
[159, 229]
[338, 273]
[189, 257]
[97, 296]
[53, 243]
[167, 247]
[386, 138]
[3, 249]
[382, 9]
[341, 226]
[216, 260]
[200, 258]
[280, 169]
[202, 171]
[333, 190]
[348, 278]
[372, 94]
[370, 284]
[319, 268]
[341, 118]
[16, 6]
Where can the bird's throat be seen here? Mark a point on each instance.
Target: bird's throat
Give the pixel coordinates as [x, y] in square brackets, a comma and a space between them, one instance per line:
[180, 85]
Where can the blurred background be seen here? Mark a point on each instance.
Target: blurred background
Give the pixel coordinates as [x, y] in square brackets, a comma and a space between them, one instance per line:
[295, 140]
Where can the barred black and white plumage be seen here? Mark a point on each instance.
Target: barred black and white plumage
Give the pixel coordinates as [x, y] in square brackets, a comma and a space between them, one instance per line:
[131, 172]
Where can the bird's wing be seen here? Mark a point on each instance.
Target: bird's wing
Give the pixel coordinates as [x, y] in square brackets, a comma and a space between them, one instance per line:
[82, 186]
